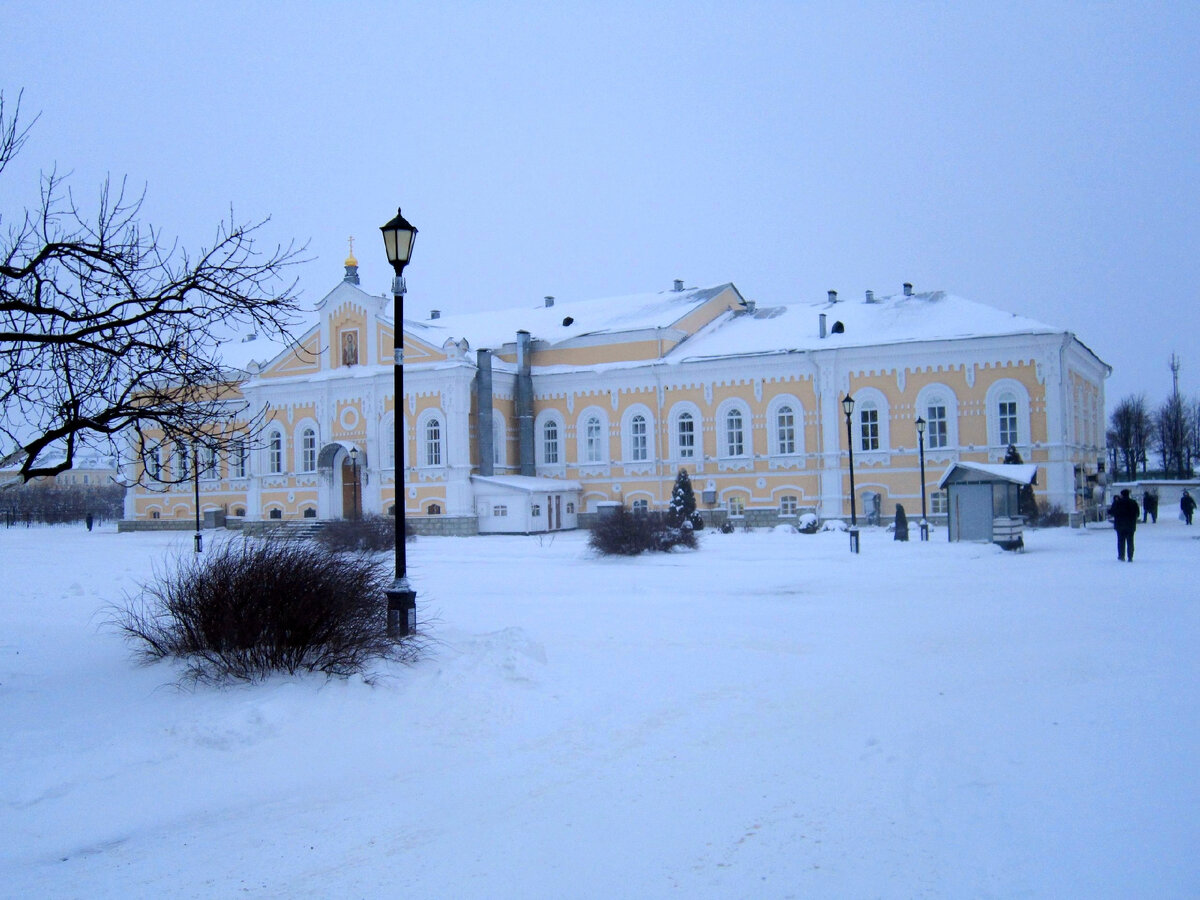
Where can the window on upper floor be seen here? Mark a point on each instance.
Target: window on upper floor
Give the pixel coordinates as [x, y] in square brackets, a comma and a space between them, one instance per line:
[735, 434]
[433, 442]
[275, 453]
[868, 422]
[550, 442]
[685, 428]
[308, 450]
[638, 439]
[591, 440]
[1006, 418]
[785, 430]
[937, 432]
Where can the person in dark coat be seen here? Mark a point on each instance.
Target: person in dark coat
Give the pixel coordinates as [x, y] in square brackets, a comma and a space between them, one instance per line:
[1187, 505]
[1124, 512]
[901, 524]
[1152, 506]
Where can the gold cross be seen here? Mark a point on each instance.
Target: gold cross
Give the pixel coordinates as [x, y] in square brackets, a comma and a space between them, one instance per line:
[351, 245]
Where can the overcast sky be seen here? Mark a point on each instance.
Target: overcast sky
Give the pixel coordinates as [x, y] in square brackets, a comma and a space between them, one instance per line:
[1044, 159]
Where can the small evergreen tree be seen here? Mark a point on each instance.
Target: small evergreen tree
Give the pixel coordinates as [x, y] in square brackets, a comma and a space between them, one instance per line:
[682, 507]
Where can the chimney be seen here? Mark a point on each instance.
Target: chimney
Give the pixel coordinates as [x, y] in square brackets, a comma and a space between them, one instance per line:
[679, 284]
[908, 289]
[833, 296]
[483, 391]
[821, 319]
[435, 314]
[549, 301]
[525, 404]
[870, 296]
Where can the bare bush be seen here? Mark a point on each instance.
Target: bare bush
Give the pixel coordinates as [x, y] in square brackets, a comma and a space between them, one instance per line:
[250, 608]
[624, 533]
[357, 535]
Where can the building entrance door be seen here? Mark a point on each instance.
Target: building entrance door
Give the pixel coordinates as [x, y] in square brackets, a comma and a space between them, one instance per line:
[351, 491]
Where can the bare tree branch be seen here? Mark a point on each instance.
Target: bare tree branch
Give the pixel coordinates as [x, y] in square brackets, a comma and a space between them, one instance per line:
[104, 328]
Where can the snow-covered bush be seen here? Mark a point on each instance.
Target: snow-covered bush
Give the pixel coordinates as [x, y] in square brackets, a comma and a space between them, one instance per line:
[834, 525]
[624, 533]
[249, 608]
[807, 523]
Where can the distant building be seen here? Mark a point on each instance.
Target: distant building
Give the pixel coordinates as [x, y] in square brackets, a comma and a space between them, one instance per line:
[610, 398]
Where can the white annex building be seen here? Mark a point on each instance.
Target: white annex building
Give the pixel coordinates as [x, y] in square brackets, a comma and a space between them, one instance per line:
[527, 419]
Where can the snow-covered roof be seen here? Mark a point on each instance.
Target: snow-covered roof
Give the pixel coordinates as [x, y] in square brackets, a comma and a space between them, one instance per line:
[528, 484]
[1015, 473]
[893, 319]
[568, 319]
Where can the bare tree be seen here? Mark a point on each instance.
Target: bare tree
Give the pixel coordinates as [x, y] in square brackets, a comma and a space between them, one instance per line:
[107, 328]
[1131, 429]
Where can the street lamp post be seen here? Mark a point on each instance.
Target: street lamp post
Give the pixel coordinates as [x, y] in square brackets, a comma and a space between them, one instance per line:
[921, 445]
[354, 476]
[848, 409]
[398, 237]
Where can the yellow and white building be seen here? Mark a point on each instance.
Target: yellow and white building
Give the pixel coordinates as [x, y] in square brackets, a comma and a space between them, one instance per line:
[529, 419]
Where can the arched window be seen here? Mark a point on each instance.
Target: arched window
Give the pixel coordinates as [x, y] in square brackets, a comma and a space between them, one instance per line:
[238, 463]
[1006, 418]
[432, 442]
[389, 443]
[937, 434]
[591, 440]
[868, 425]
[637, 435]
[550, 442]
[1008, 414]
[735, 434]
[685, 436]
[275, 453]
[308, 450]
[785, 430]
[938, 406]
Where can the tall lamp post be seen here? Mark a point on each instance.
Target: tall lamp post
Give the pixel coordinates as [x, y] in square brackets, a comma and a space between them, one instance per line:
[398, 237]
[921, 445]
[354, 468]
[848, 409]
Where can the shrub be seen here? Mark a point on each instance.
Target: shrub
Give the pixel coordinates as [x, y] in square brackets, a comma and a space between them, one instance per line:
[250, 608]
[1051, 516]
[356, 535]
[623, 533]
[682, 507]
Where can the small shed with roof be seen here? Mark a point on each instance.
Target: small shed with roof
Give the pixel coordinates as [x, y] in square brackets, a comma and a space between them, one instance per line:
[984, 501]
[522, 504]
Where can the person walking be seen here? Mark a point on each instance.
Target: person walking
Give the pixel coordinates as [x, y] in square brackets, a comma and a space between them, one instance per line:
[1152, 506]
[1187, 504]
[1124, 512]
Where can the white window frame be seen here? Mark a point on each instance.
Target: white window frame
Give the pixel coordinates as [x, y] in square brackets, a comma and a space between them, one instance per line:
[592, 449]
[789, 505]
[308, 448]
[867, 399]
[777, 433]
[739, 446]
[431, 442]
[544, 420]
[678, 451]
[1000, 433]
[735, 504]
[274, 452]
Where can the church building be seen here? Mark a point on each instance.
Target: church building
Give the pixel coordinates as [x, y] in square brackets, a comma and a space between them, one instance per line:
[529, 420]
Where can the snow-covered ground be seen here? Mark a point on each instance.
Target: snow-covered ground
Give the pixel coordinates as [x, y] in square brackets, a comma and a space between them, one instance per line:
[768, 717]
